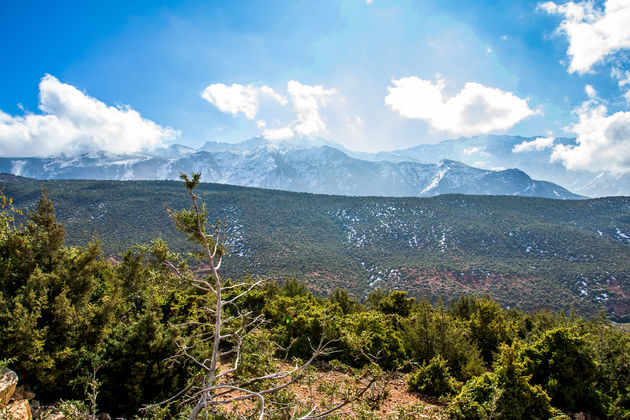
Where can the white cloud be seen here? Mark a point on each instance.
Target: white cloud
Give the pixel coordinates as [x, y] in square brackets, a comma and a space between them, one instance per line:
[471, 150]
[593, 34]
[278, 133]
[622, 76]
[590, 91]
[603, 141]
[73, 122]
[239, 98]
[282, 100]
[538, 144]
[307, 101]
[473, 110]
[623, 79]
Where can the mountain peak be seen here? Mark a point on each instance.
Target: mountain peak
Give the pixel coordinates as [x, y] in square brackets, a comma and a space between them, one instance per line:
[297, 164]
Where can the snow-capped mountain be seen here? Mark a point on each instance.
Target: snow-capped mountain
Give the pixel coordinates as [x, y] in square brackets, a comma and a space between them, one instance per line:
[492, 152]
[316, 166]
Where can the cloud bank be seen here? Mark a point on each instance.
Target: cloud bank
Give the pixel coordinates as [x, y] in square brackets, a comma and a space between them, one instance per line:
[238, 98]
[603, 141]
[476, 109]
[72, 122]
[307, 101]
[593, 34]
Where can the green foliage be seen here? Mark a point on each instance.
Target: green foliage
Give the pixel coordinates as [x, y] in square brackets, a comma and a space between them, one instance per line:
[488, 327]
[395, 302]
[7, 216]
[345, 302]
[50, 304]
[297, 323]
[620, 408]
[610, 346]
[138, 351]
[72, 409]
[503, 394]
[371, 336]
[433, 379]
[430, 331]
[59, 303]
[293, 287]
[65, 310]
[343, 242]
[563, 362]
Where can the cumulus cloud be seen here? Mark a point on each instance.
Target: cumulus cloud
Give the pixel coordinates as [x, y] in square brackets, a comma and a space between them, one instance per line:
[538, 144]
[307, 101]
[238, 98]
[603, 141]
[72, 122]
[593, 34]
[476, 109]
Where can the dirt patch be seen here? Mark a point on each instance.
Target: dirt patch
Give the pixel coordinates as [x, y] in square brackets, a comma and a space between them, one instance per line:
[325, 387]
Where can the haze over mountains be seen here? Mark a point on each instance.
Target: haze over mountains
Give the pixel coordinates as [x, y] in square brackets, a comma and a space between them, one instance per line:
[485, 165]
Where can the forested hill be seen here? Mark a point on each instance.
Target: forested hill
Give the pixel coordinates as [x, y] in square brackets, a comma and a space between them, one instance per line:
[527, 252]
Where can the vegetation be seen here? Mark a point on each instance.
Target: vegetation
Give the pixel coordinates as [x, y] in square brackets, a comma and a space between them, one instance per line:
[528, 253]
[128, 335]
[434, 378]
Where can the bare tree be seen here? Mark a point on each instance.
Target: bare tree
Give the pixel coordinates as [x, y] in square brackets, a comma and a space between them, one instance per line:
[220, 384]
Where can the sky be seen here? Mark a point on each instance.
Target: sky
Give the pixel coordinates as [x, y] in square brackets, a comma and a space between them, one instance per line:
[372, 75]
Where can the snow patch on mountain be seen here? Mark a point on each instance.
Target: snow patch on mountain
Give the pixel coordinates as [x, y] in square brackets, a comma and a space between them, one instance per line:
[299, 164]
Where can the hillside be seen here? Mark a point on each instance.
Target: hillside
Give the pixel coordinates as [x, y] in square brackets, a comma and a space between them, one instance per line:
[527, 252]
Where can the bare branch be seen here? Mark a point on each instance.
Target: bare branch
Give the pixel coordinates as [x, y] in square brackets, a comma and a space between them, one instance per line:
[232, 325]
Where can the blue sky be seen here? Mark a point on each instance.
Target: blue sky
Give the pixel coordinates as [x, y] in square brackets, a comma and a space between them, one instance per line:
[371, 75]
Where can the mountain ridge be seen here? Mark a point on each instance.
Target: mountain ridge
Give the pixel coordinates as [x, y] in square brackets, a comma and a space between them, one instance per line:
[300, 165]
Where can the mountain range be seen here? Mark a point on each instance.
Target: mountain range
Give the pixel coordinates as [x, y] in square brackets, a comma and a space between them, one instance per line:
[497, 152]
[321, 166]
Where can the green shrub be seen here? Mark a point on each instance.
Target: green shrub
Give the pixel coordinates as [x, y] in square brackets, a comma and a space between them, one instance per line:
[503, 394]
[620, 408]
[298, 323]
[431, 331]
[433, 379]
[563, 363]
[370, 336]
[394, 302]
